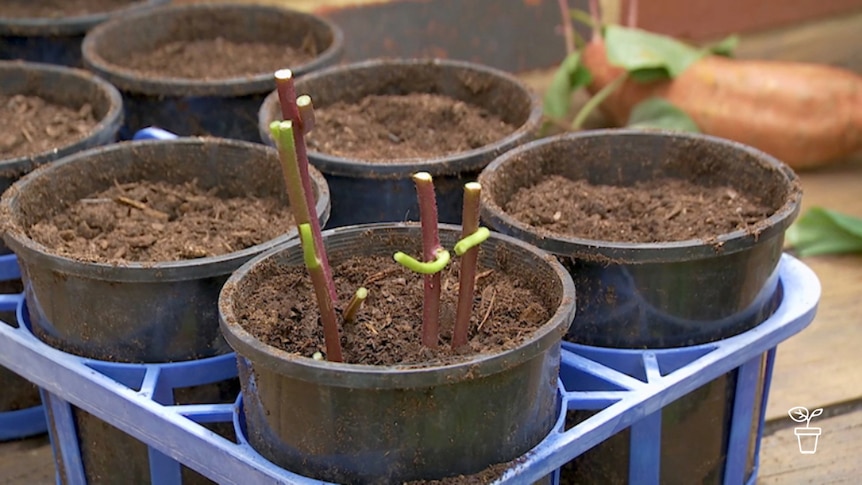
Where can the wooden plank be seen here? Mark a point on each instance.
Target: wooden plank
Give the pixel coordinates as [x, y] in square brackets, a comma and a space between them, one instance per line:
[836, 460]
[821, 365]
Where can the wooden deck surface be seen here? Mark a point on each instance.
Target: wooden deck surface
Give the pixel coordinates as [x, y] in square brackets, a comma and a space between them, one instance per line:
[820, 367]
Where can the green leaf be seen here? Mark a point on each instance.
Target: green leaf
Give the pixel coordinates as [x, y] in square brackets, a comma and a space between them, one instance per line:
[637, 50]
[569, 77]
[649, 74]
[724, 47]
[824, 231]
[660, 114]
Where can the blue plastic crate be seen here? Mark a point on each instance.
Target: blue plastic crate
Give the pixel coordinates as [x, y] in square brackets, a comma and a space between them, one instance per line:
[128, 396]
[27, 422]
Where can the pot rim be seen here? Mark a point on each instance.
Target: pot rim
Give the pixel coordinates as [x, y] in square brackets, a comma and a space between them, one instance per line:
[140, 272]
[133, 81]
[393, 376]
[441, 165]
[67, 26]
[626, 252]
[111, 120]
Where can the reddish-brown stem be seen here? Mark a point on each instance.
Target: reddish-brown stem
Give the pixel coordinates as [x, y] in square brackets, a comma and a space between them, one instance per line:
[430, 246]
[597, 21]
[327, 316]
[632, 20]
[290, 112]
[467, 276]
[568, 31]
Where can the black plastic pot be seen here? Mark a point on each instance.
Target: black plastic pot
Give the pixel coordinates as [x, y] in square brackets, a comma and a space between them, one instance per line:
[65, 86]
[57, 39]
[69, 87]
[352, 423]
[224, 107]
[368, 192]
[136, 312]
[660, 295]
[144, 312]
[666, 294]
[17, 393]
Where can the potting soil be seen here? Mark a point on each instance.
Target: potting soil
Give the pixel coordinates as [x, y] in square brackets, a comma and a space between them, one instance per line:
[658, 210]
[392, 128]
[218, 58]
[34, 125]
[157, 221]
[282, 312]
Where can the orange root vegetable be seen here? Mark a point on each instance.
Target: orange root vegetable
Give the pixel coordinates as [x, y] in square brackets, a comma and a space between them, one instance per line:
[803, 114]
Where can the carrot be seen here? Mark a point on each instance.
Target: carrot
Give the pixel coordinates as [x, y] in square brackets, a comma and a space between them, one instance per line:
[801, 113]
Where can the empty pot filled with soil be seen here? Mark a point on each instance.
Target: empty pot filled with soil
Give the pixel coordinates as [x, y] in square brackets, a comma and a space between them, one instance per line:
[395, 409]
[205, 69]
[380, 121]
[49, 112]
[51, 31]
[124, 248]
[673, 239]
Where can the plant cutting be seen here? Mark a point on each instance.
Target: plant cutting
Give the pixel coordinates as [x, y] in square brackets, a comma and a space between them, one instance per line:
[291, 142]
[756, 102]
[398, 406]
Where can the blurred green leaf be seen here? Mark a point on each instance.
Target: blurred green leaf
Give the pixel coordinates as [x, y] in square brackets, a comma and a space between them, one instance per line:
[724, 47]
[637, 50]
[569, 77]
[660, 114]
[824, 231]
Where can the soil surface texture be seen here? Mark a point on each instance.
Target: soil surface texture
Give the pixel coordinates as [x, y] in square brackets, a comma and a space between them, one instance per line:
[33, 125]
[218, 58]
[60, 8]
[157, 221]
[658, 210]
[279, 308]
[396, 127]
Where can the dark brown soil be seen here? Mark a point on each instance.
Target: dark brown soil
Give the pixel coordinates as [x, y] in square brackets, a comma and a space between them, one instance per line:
[59, 8]
[33, 125]
[218, 58]
[280, 310]
[156, 221]
[658, 210]
[395, 127]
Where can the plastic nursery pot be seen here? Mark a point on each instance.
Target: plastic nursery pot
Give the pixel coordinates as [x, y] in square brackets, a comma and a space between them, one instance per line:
[664, 294]
[65, 86]
[48, 33]
[364, 191]
[217, 104]
[136, 311]
[17, 393]
[352, 423]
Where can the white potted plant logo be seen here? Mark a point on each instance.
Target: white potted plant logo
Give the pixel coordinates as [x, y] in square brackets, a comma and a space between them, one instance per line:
[806, 436]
